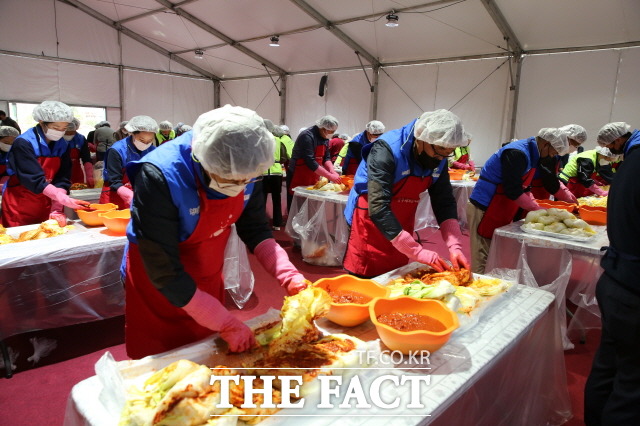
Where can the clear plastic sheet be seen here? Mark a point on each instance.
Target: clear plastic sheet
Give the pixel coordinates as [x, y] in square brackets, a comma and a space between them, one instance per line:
[425, 217]
[238, 277]
[511, 246]
[59, 281]
[508, 370]
[317, 222]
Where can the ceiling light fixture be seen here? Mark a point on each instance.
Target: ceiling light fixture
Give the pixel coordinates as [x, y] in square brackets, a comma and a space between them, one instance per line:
[392, 20]
[275, 41]
[199, 53]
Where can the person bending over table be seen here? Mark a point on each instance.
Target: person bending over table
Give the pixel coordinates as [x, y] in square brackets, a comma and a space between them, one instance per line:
[503, 187]
[187, 194]
[7, 135]
[587, 171]
[353, 157]
[39, 170]
[461, 158]
[612, 391]
[79, 153]
[381, 208]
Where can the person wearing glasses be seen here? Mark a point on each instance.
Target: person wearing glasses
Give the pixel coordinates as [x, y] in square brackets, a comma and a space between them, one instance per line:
[503, 190]
[39, 170]
[187, 194]
[352, 159]
[142, 135]
[382, 204]
[311, 159]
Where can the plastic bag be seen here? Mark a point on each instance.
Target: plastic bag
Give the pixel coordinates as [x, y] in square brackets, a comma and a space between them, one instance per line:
[97, 174]
[318, 245]
[238, 278]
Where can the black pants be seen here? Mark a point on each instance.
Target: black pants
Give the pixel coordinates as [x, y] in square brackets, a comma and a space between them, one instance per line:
[272, 184]
[612, 392]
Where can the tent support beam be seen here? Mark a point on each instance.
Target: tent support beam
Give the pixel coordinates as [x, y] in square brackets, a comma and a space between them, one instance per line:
[515, 88]
[105, 20]
[208, 28]
[330, 26]
[283, 98]
[216, 94]
[374, 95]
[504, 27]
[153, 12]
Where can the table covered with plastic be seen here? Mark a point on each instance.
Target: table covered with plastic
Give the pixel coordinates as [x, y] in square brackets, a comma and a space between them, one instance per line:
[569, 269]
[59, 281]
[506, 369]
[461, 191]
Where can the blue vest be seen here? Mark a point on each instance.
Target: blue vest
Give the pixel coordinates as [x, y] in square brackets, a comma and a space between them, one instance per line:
[401, 143]
[360, 138]
[128, 153]
[180, 171]
[633, 141]
[77, 142]
[491, 173]
[36, 139]
[4, 158]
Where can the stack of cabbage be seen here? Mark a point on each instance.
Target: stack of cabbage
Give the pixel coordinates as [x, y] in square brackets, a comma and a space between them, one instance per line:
[593, 201]
[557, 221]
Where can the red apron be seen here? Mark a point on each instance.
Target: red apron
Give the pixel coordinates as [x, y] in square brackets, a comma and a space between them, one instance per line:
[302, 175]
[77, 176]
[23, 207]
[464, 159]
[3, 169]
[538, 190]
[109, 196]
[352, 167]
[369, 253]
[502, 210]
[578, 189]
[153, 324]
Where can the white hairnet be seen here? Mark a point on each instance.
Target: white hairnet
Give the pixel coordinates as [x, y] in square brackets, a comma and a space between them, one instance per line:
[285, 129]
[605, 151]
[74, 125]
[557, 138]
[165, 125]
[122, 124]
[233, 142]
[185, 128]
[52, 111]
[612, 131]
[270, 126]
[142, 123]
[375, 127]
[440, 127]
[8, 131]
[328, 122]
[277, 131]
[575, 132]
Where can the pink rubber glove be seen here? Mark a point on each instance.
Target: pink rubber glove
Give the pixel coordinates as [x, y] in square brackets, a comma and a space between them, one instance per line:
[207, 311]
[597, 190]
[329, 166]
[126, 194]
[59, 217]
[527, 202]
[472, 165]
[60, 196]
[565, 195]
[406, 245]
[88, 171]
[459, 165]
[453, 239]
[276, 261]
[333, 177]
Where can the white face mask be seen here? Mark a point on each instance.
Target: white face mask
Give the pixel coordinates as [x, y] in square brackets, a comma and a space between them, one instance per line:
[68, 137]
[141, 146]
[54, 135]
[229, 190]
[5, 147]
[603, 162]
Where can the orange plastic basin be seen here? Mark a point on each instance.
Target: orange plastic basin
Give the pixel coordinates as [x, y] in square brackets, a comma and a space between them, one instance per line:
[92, 218]
[116, 221]
[347, 180]
[593, 215]
[456, 174]
[410, 341]
[351, 314]
[548, 204]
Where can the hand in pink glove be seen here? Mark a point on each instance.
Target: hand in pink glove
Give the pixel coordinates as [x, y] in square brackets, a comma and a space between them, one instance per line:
[207, 311]
[472, 165]
[453, 239]
[126, 194]
[60, 196]
[597, 190]
[276, 261]
[406, 245]
[329, 166]
[88, 171]
[565, 195]
[527, 202]
[332, 177]
[59, 217]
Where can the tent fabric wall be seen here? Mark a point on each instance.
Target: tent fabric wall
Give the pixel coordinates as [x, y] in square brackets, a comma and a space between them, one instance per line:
[589, 88]
[259, 95]
[166, 97]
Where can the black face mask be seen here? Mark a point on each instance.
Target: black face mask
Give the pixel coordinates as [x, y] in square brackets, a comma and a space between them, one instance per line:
[426, 162]
[617, 151]
[548, 164]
